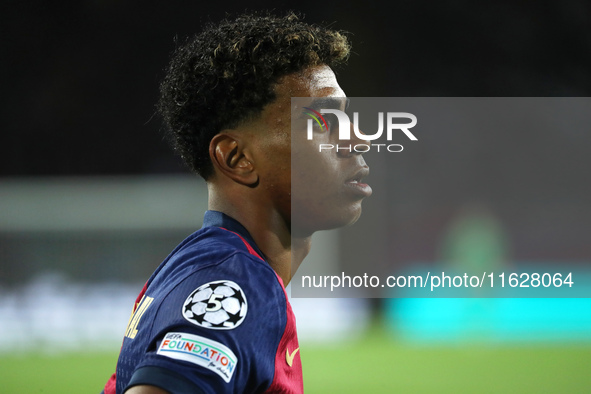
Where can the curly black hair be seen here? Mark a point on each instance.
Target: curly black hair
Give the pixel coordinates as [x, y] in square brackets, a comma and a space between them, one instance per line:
[227, 74]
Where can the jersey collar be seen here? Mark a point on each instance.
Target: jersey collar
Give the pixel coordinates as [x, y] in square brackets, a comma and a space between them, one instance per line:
[220, 219]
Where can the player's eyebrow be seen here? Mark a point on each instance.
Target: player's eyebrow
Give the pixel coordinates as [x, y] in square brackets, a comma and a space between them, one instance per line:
[341, 103]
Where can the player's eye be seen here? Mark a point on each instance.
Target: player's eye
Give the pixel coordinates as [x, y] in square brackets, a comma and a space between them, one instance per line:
[331, 121]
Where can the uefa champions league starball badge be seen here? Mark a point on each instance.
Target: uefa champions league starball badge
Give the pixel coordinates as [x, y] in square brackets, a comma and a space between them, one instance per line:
[219, 305]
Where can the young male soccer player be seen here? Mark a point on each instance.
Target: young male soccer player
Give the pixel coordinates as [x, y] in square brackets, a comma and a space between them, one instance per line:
[214, 316]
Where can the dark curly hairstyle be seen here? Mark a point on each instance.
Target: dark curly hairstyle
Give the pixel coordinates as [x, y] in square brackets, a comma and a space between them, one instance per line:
[227, 74]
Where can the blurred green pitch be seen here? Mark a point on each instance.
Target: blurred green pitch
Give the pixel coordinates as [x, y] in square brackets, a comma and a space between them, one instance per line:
[375, 364]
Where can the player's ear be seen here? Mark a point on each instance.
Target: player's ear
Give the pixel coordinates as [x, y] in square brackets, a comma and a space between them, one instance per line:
[228, 155]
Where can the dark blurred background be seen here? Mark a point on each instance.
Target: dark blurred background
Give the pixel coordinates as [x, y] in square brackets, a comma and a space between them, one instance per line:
[80, 78]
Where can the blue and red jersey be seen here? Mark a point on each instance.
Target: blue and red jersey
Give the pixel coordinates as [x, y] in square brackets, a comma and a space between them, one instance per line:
[213, 318]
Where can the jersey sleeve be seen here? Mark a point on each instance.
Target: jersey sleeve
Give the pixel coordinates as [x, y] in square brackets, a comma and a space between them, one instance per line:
[217, 330]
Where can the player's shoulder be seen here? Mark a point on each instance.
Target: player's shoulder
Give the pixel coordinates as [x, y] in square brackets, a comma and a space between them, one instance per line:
[214, 252]
[217, 315]
[214, 266]
[209, 245]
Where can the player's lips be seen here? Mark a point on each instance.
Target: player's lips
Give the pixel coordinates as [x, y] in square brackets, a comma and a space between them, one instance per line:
[355, 184]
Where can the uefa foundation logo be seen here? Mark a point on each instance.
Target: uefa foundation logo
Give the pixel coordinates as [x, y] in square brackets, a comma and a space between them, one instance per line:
[388, 121]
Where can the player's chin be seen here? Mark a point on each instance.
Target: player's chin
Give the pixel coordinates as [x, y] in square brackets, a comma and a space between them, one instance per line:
[346, 216]
[326, 219]
[354, 213]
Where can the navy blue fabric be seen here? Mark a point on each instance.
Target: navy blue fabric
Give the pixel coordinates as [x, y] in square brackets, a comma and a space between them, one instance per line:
[210, 254]
[156, 376]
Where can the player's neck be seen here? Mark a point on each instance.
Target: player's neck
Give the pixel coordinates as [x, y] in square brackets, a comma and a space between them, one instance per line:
[270, 231]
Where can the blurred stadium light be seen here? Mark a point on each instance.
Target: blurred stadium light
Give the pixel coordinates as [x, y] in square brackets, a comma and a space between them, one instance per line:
[101, 203]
